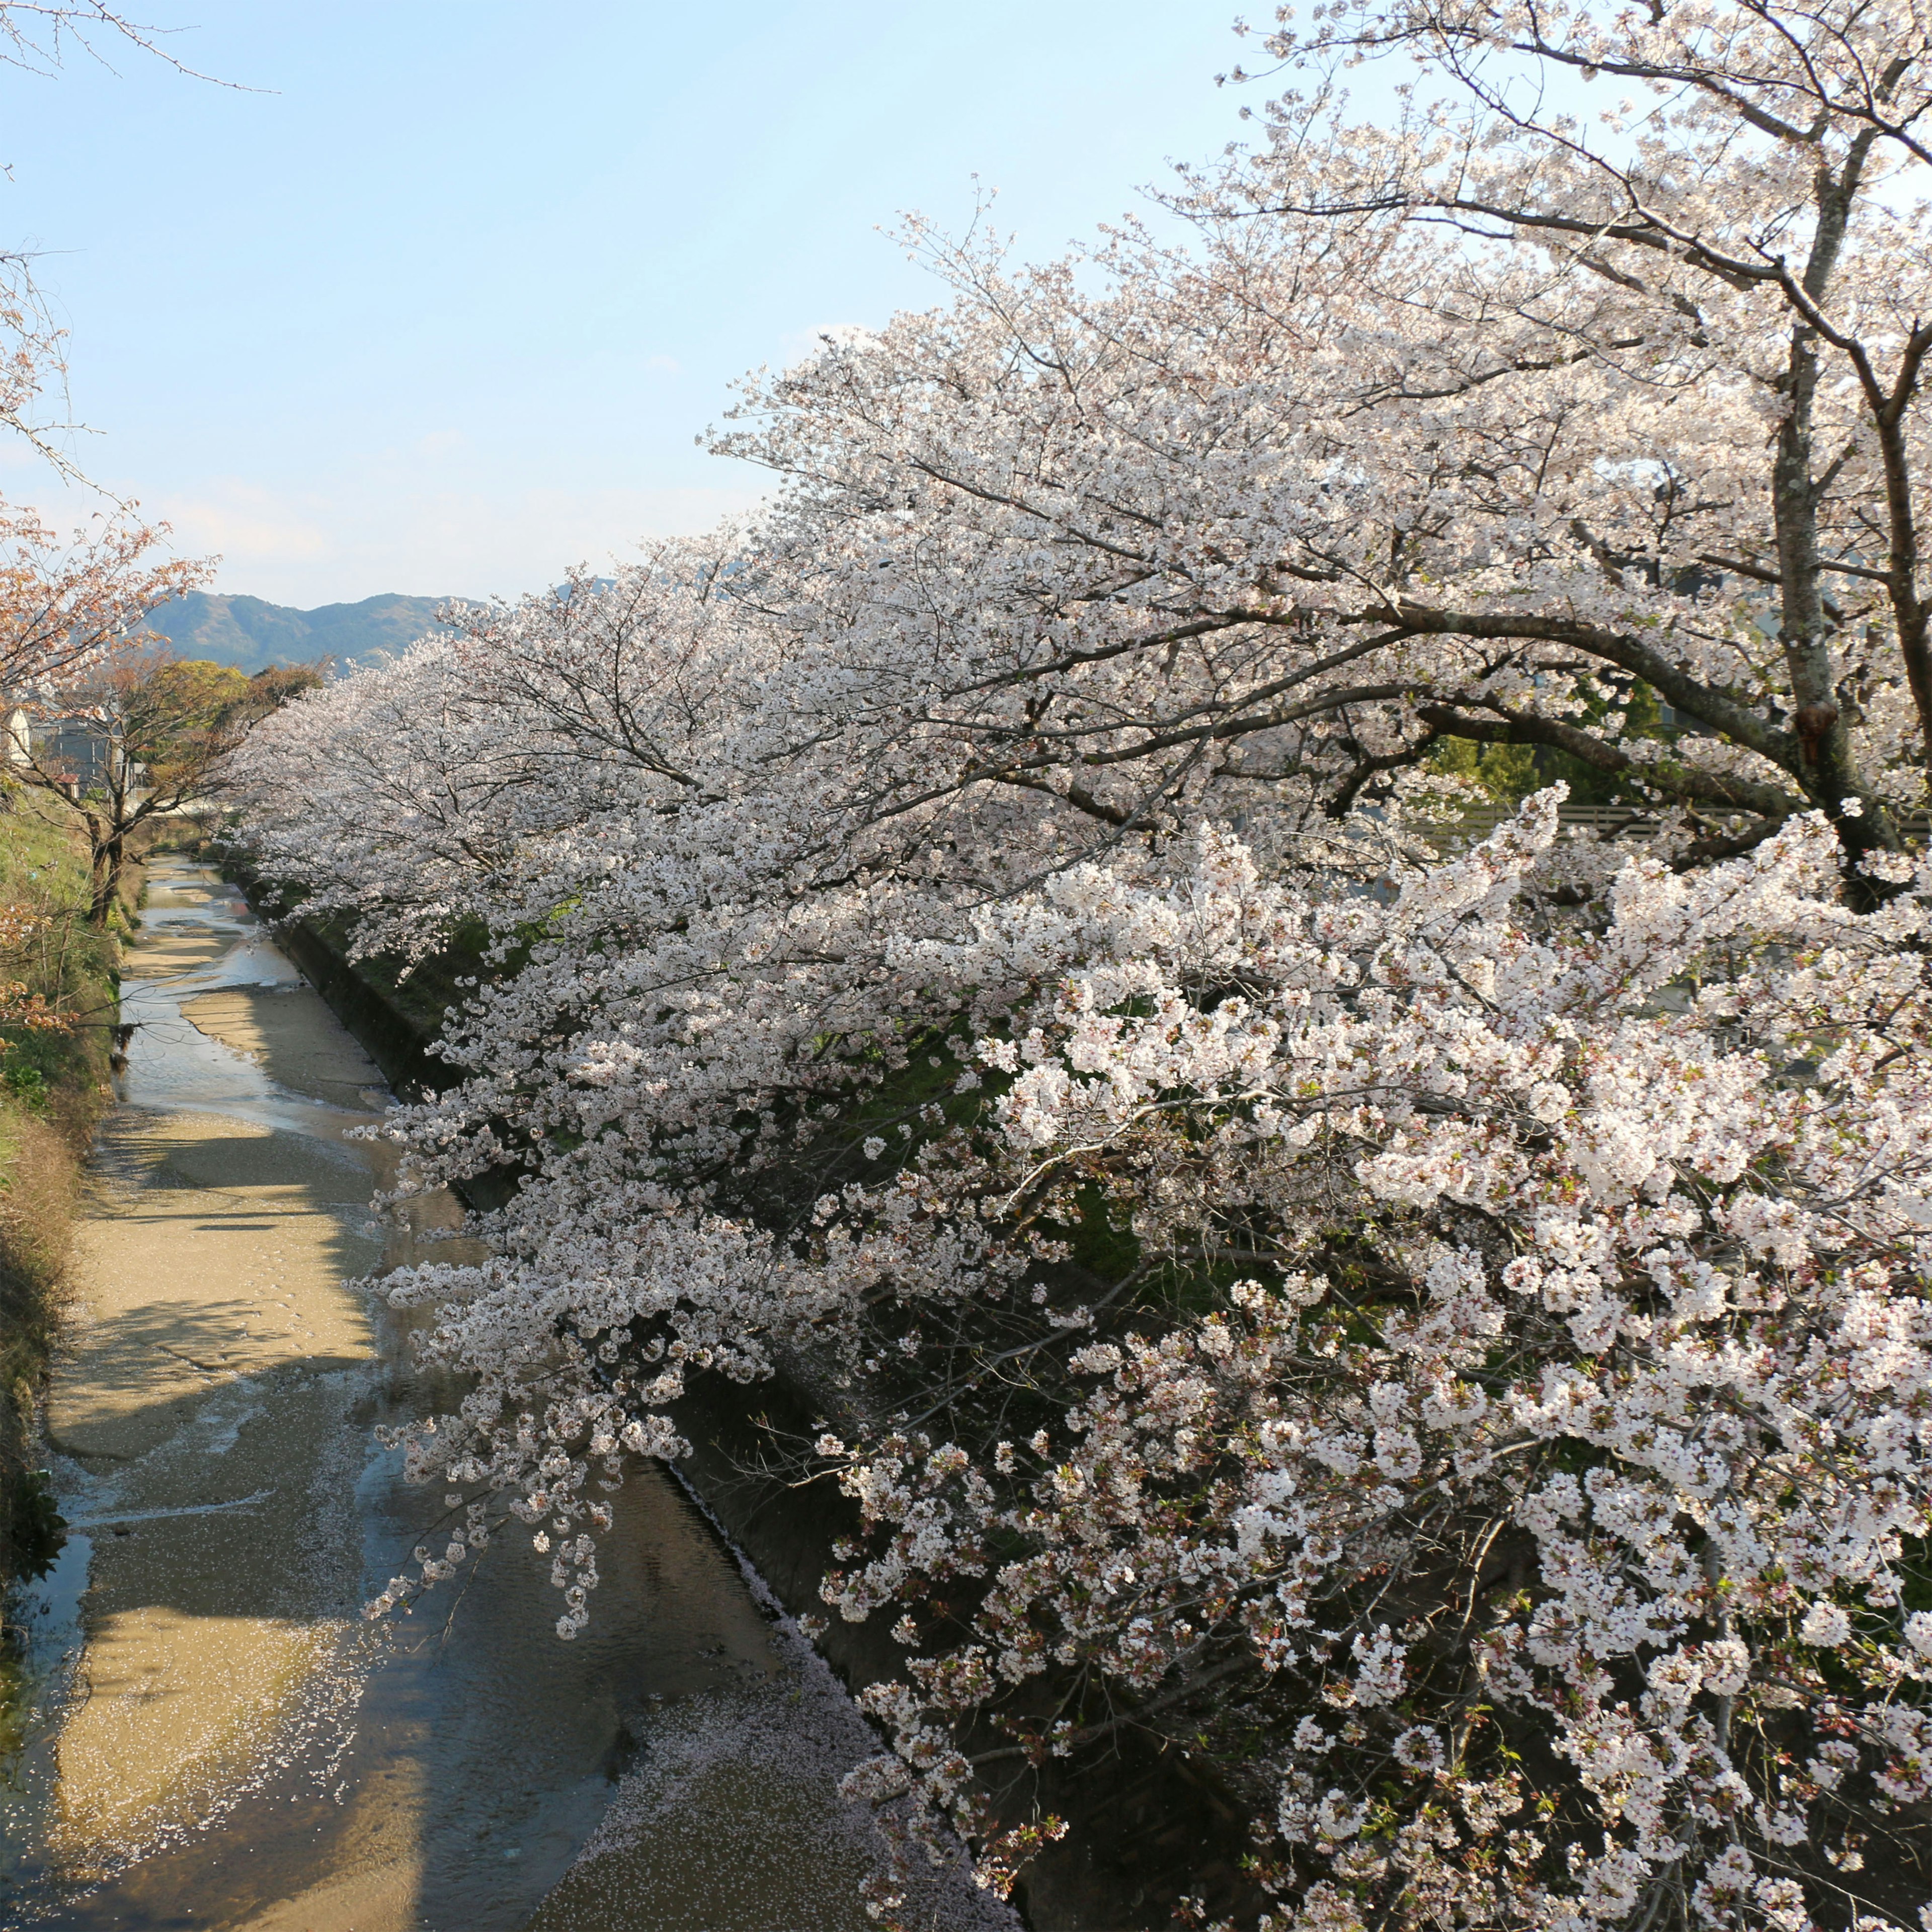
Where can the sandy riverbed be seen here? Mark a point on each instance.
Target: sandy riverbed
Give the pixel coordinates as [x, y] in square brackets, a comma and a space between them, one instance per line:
[212, 1341]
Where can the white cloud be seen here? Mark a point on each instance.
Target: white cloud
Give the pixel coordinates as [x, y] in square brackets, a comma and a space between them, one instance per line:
[338, 545]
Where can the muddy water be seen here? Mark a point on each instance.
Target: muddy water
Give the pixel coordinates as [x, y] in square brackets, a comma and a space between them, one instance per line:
[218, 1740]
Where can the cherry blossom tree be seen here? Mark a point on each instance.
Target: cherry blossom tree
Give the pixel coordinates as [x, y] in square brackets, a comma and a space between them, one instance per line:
[38, 35]
[1545, 1479]
[163, 728]
[70, 649]
[65, 606]
[1465, 427]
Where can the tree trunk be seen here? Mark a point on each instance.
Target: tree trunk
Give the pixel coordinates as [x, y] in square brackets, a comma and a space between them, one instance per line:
[109, 861]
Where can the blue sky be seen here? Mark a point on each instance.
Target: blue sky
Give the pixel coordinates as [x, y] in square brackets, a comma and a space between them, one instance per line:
[441, 307]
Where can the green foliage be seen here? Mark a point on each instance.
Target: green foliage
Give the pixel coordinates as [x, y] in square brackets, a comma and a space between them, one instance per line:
[38, 1171]
[28, 1085]
[175, 714]
[34, 1527]
[52, 1086]
[1507, 773]
[40, 864]
[72, 965]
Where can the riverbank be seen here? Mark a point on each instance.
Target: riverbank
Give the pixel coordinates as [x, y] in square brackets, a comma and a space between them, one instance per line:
[54, 1087]
[61, 988]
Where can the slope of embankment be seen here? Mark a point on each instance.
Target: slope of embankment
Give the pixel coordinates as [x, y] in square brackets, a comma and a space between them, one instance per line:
[58, 1009]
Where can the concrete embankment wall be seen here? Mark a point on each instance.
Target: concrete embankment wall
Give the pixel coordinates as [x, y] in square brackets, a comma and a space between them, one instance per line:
[392, 1037]
[1144, 1824]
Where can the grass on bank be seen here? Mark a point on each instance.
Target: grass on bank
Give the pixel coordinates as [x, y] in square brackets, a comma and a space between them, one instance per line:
[54, 1087]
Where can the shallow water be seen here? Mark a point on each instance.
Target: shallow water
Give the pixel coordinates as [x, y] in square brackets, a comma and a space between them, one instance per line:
[216, 1739]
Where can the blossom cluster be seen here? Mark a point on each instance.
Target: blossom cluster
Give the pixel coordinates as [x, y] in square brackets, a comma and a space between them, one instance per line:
[1563, 1460]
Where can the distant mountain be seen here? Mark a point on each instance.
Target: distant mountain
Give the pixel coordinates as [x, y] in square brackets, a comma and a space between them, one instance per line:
[252, 634]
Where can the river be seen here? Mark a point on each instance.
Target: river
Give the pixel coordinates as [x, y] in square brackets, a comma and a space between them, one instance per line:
[216, 1739]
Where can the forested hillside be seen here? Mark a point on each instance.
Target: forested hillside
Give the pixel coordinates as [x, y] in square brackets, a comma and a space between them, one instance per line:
[253, 634]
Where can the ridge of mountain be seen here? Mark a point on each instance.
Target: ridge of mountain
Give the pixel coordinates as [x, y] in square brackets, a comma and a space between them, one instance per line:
[253, 634]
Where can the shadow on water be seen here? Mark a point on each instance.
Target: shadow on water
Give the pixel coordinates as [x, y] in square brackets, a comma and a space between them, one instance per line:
[215, 1738]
